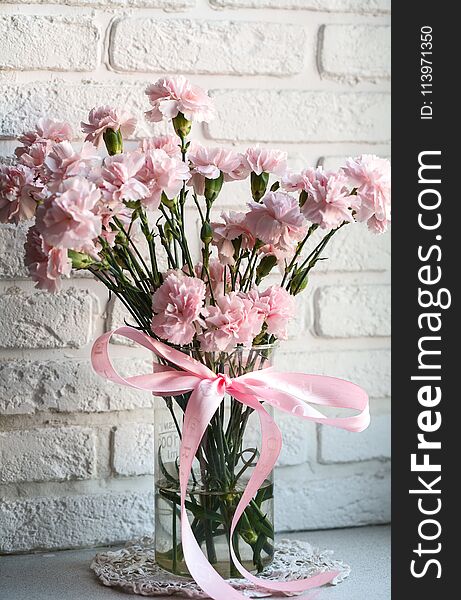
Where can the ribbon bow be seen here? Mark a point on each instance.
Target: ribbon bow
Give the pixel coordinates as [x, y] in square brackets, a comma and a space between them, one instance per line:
[289, 392]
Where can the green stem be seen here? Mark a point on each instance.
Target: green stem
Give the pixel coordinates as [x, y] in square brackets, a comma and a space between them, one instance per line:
[299, 249]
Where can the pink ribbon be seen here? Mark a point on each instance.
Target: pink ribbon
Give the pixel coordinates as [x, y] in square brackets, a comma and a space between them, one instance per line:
[289, 392]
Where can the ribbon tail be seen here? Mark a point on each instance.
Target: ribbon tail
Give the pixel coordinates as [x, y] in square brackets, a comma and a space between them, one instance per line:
[201, 406]
[270, 449]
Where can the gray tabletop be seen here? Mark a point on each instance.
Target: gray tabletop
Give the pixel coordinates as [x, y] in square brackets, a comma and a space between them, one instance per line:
[65, 575]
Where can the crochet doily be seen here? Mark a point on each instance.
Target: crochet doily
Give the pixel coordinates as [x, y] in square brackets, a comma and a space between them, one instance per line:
[134, 570]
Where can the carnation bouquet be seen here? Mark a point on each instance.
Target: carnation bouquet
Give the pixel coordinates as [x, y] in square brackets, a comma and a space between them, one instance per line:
[123, 218]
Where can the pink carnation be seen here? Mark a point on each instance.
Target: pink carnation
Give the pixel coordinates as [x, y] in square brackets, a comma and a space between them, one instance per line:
[38, 143]
[265, 160]
[162, 173]
[177, 305]
[277, 307]
[371, 176]
[46, 130]
[121, 178]
[169, 143]
[209, 163]
[34, 156]
[233, 320]
[329, 202]
[107, 211]
[105, 117]
[46, 265]
[292, 181]
[18, 193]
[234, 226]
[67, 219]
[170, 96]
[216, 270]
[277, 222]
[63, 162]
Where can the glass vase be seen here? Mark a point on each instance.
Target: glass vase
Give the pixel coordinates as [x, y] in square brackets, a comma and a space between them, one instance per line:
[222, 466]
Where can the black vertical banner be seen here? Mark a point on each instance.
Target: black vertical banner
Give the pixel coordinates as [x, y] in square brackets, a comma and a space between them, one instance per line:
[426, 243]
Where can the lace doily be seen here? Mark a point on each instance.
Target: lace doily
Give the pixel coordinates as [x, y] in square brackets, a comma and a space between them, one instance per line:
[134, 570]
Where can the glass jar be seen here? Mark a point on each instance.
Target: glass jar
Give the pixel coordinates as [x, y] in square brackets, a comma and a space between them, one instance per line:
[222, 467]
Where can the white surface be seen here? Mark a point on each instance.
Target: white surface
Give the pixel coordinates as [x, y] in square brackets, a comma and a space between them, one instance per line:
[66, 574]
[45, 378]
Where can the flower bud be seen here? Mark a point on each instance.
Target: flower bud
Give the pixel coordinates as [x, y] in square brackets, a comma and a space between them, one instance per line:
[80, 260]
[302, 198]
[265, 266]
[299, 282]
[113, 140]
[212, 188]
[168, 233]
[259, 185]
[206, 233]
[167, 202]
[181, 125]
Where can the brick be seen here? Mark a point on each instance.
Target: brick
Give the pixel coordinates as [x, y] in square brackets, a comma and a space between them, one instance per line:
[73, 521]
[43, 320]
[343, 499]
[47, 454]
[12, 240]
[370, 369]
[357, 6]
[48, 42]
[338, 446]
[297, 116]
[226, 47]
[28, 387]
[133, 449]
[167, 4]
[353, 311]
[117, 316]
[354, 248]
[7, 148]
[355, 52]
[299, 440]
[21, 105]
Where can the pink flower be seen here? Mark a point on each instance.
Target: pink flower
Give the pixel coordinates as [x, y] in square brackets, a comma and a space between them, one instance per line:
[67, 220]
[107, 211]
[209, 163]
[162, 173]
[18, 193]
[233, 320]
[46, 265]
[169, 143]
[105, 117]
[277, 307]
[46, 130]
[265, 160]
[329, 202]
[177, 305]
[34, 156]
[292, 182]
[63, 162]
[234, 226]
[371, 176]
[278, 222]
[170, 96]
[216, 270]
[121, 178]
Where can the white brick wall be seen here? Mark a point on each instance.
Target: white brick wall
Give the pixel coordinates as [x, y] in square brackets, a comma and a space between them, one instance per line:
[355, 52]
[308, 76]
[223, 47]
[22, 47]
